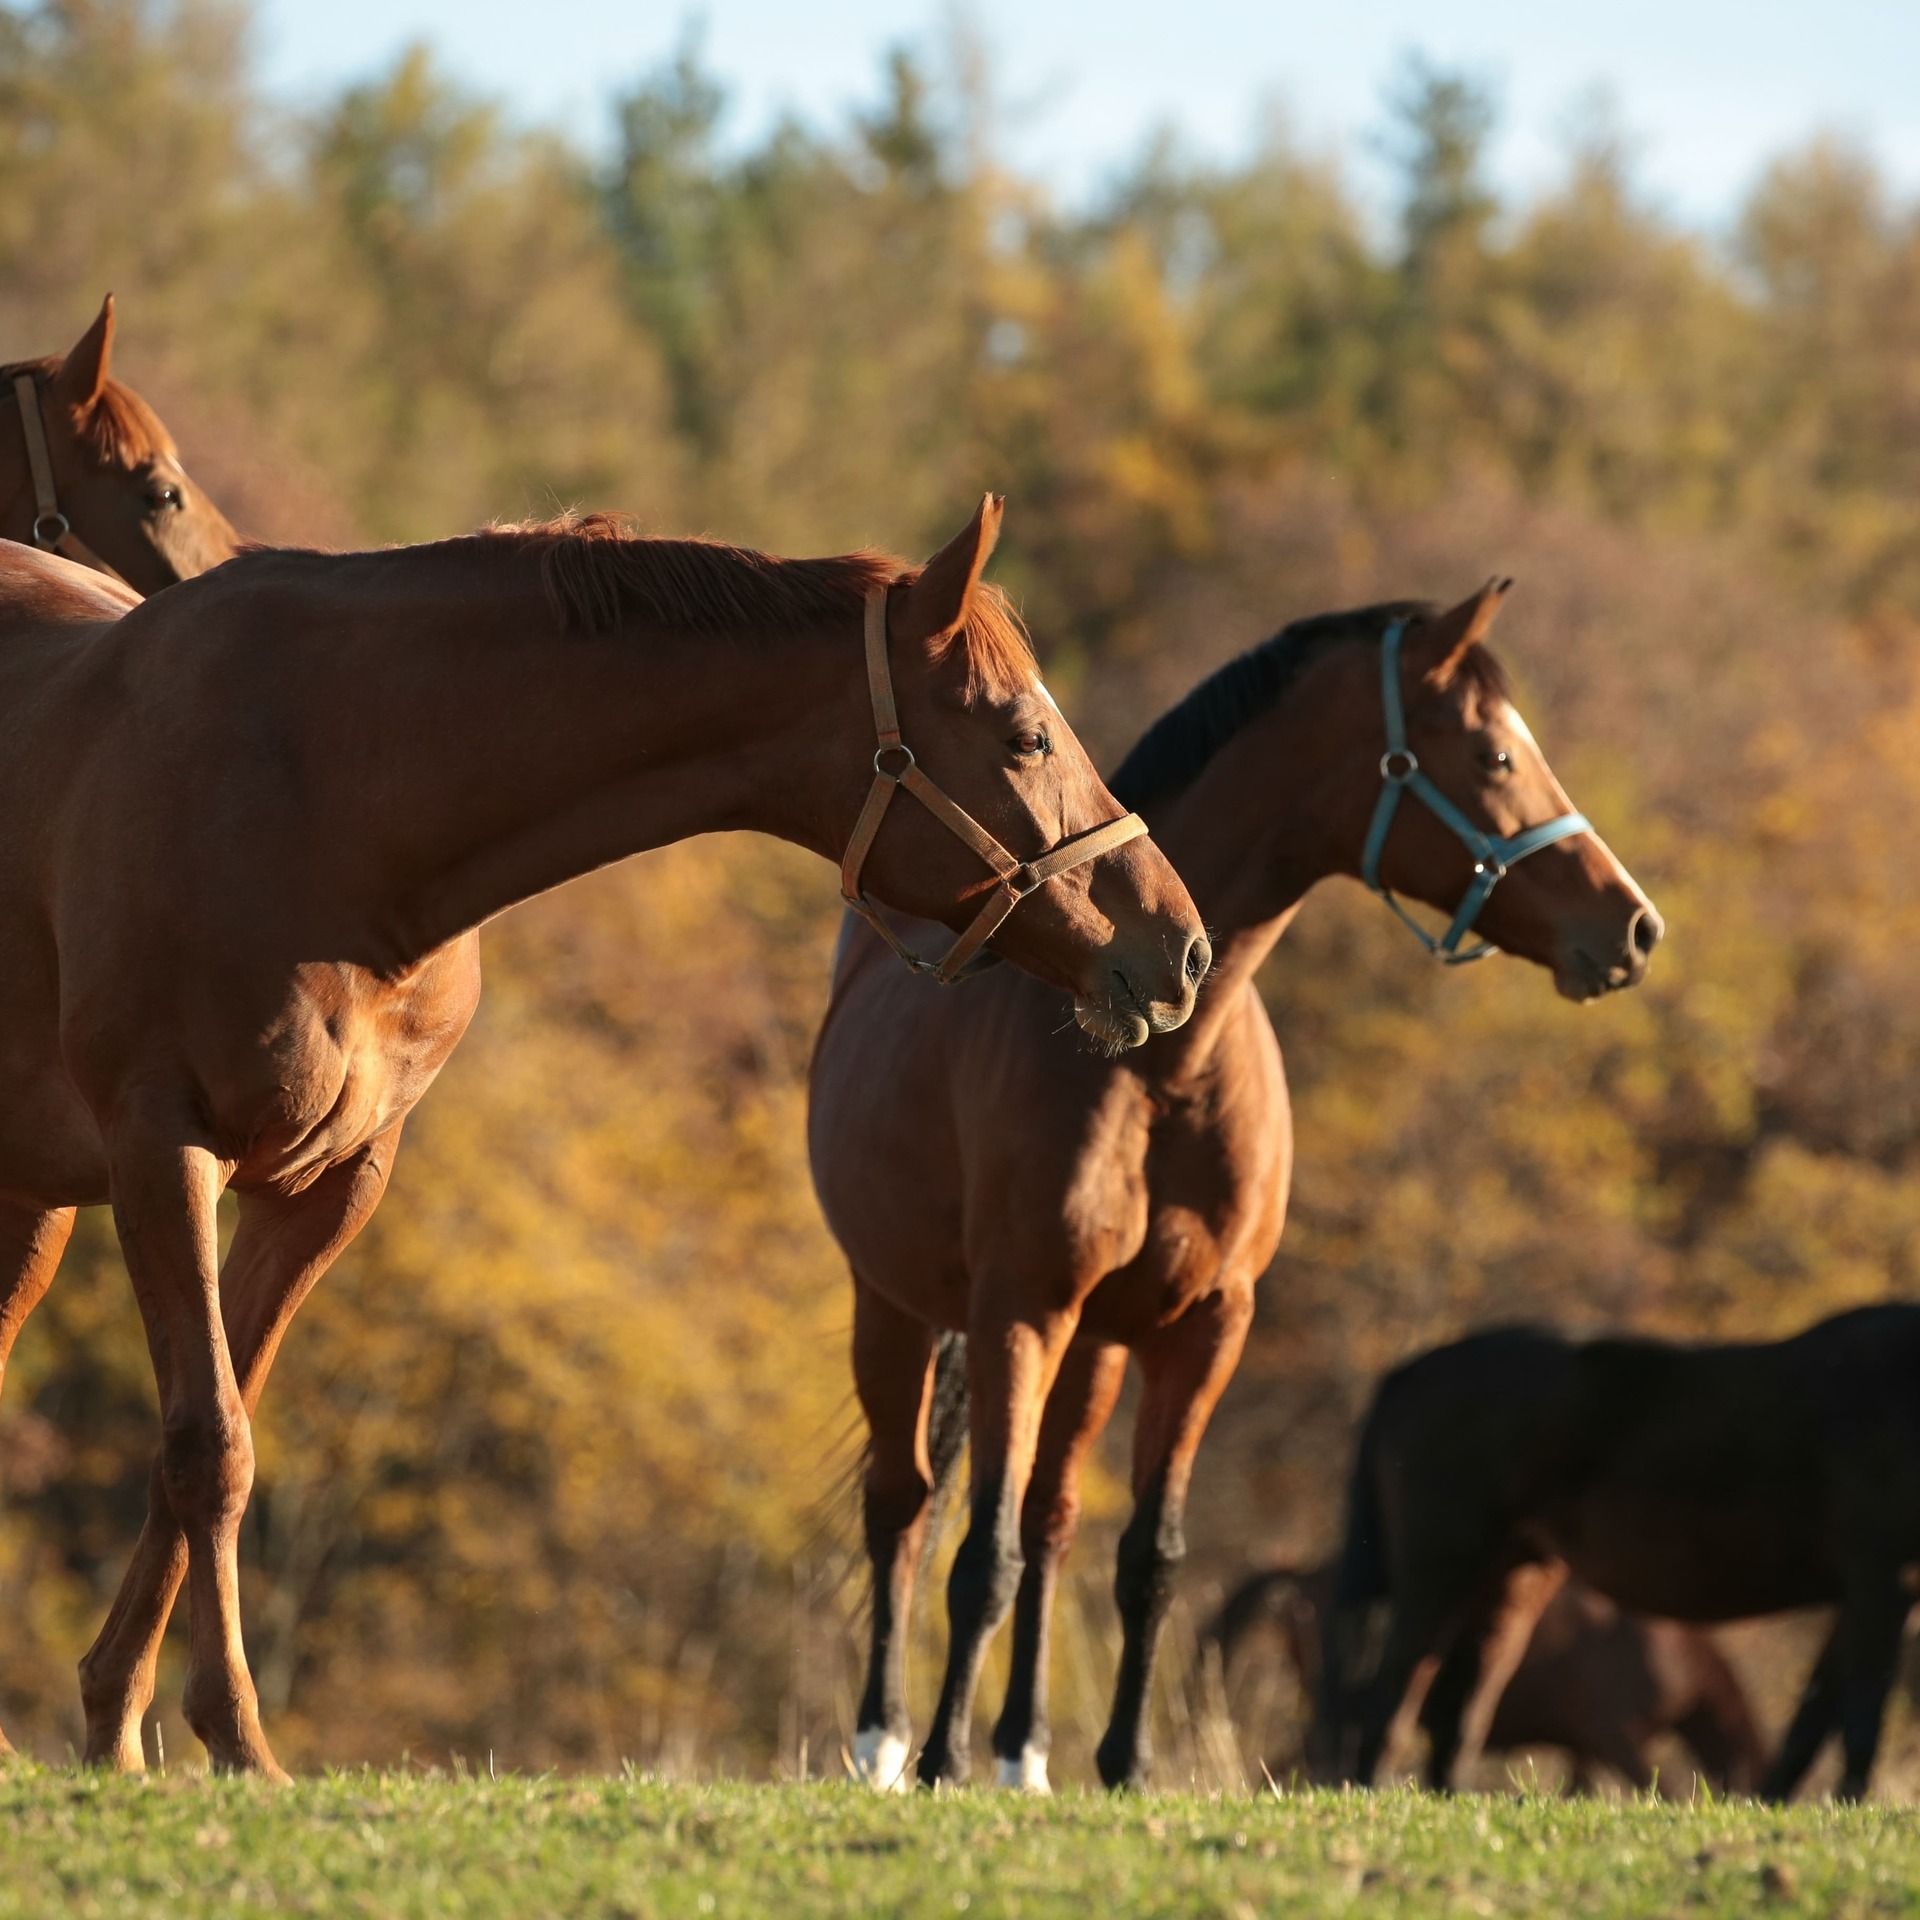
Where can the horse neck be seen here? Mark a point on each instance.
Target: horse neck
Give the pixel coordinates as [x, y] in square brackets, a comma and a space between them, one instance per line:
[16, 478]
[1277, 810]
[475, 755]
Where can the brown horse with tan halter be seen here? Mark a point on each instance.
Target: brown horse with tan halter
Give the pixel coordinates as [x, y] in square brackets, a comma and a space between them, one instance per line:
[1705, 1483]
[242, 882]
[1593, 1681]
[1064, 1210]
[87, 470]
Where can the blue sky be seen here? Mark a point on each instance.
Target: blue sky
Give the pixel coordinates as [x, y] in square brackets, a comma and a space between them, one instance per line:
[1708, 89]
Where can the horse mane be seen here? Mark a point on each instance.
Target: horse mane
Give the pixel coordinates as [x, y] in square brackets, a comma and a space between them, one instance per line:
[119, 427]
[597, 573]
[1172, 752]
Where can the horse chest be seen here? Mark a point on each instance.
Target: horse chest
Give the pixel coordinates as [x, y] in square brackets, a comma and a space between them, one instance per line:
[1211, 1219]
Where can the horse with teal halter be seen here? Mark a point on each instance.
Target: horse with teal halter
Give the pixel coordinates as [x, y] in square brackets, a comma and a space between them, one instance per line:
[1493, 853]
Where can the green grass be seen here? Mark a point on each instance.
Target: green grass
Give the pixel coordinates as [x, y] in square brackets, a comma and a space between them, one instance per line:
[408, 1844]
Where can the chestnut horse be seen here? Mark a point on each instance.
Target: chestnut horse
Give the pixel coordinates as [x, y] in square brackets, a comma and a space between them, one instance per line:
[1597, 1683]
[242, 880]
[1706, 1483]
[88, 470]
[1064, 1210]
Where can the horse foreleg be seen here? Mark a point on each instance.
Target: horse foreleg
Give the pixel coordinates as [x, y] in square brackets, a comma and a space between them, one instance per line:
[1011, 1366]
[1078, 1410]
[1186, 1367]
[892, 1372]
[31, 1243]
[282, 1246]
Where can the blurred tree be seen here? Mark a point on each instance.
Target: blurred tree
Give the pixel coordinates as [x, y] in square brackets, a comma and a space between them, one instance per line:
[540, 1470]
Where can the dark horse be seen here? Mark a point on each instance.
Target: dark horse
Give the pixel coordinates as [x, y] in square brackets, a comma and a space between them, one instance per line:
[240, 884]
[88, 470]
[1593, 1681]
[1064, 1210]
[1705, 1483]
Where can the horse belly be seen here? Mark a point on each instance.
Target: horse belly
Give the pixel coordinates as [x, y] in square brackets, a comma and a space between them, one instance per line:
[1699, 1558]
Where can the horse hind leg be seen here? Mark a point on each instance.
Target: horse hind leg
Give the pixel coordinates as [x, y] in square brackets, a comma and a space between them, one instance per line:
[281, 1248]
[1486, 1652]
[893, 1372]
[1186, 1368]
[1077, 1412]
[31, 1243]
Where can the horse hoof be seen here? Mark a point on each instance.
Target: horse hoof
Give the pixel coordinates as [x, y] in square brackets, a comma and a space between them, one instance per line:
[942, 1775]
[1121, 1773]
[880, 1759]
[1027, 1774]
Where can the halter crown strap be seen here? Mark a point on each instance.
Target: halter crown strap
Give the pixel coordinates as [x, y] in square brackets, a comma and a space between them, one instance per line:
[52, 530]
[1493, 854]
[895, 768]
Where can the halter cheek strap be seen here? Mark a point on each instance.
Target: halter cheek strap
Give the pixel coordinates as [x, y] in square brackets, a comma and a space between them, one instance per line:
[1493, 854]
[894, 769]
[52, 530]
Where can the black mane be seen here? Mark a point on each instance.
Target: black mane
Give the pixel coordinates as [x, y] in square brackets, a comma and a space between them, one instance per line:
[1171, 753]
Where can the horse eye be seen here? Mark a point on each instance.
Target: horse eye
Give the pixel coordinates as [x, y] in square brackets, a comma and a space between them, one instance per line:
[1030, 746]
[1497, 761]
[163, 493]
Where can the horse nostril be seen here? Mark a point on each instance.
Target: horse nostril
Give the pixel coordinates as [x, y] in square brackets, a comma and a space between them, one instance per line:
[1645, 932]
[1199, 959]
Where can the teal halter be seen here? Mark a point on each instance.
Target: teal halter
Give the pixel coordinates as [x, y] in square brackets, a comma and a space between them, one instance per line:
[1493, 854]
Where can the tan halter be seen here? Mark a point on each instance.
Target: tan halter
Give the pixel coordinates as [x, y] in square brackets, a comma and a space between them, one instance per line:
[52, 530]
[1017, 878]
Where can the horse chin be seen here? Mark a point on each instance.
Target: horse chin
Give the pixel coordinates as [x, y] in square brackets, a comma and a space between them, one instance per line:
[1577, 979]
[1113, 1029]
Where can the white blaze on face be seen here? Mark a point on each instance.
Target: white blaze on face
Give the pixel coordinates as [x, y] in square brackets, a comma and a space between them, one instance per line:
[1041, 686]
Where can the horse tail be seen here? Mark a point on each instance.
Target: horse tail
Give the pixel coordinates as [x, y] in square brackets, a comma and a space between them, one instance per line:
[947, 1412]
[1360, 1581]
[1363, 1564]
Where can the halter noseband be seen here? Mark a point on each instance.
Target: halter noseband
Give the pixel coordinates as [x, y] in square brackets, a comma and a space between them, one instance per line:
[52, 530]
[1493, 854]
[894, 767]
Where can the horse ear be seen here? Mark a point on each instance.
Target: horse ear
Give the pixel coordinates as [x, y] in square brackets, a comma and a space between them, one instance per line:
[1438, 646]
[936, 604]
[83, 374]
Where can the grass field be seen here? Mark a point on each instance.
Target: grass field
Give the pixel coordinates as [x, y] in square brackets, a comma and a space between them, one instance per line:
[75, 1846]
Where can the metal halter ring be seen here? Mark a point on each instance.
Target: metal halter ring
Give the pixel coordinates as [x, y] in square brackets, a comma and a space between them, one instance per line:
[60, 524]
[880, 753]
[1399, 753]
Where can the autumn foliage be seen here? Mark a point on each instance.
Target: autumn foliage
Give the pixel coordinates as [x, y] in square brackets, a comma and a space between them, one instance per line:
[548, 1467]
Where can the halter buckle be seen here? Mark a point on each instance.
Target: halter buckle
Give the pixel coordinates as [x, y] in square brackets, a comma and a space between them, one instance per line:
[881, 752]
[60, 524]
[1407, 772]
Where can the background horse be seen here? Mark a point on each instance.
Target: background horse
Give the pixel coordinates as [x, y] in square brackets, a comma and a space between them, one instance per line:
[241, 883]
[113, 494]
[1064, 1210]
[127, 515]
[1592, 1681]
[1707, 1483]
